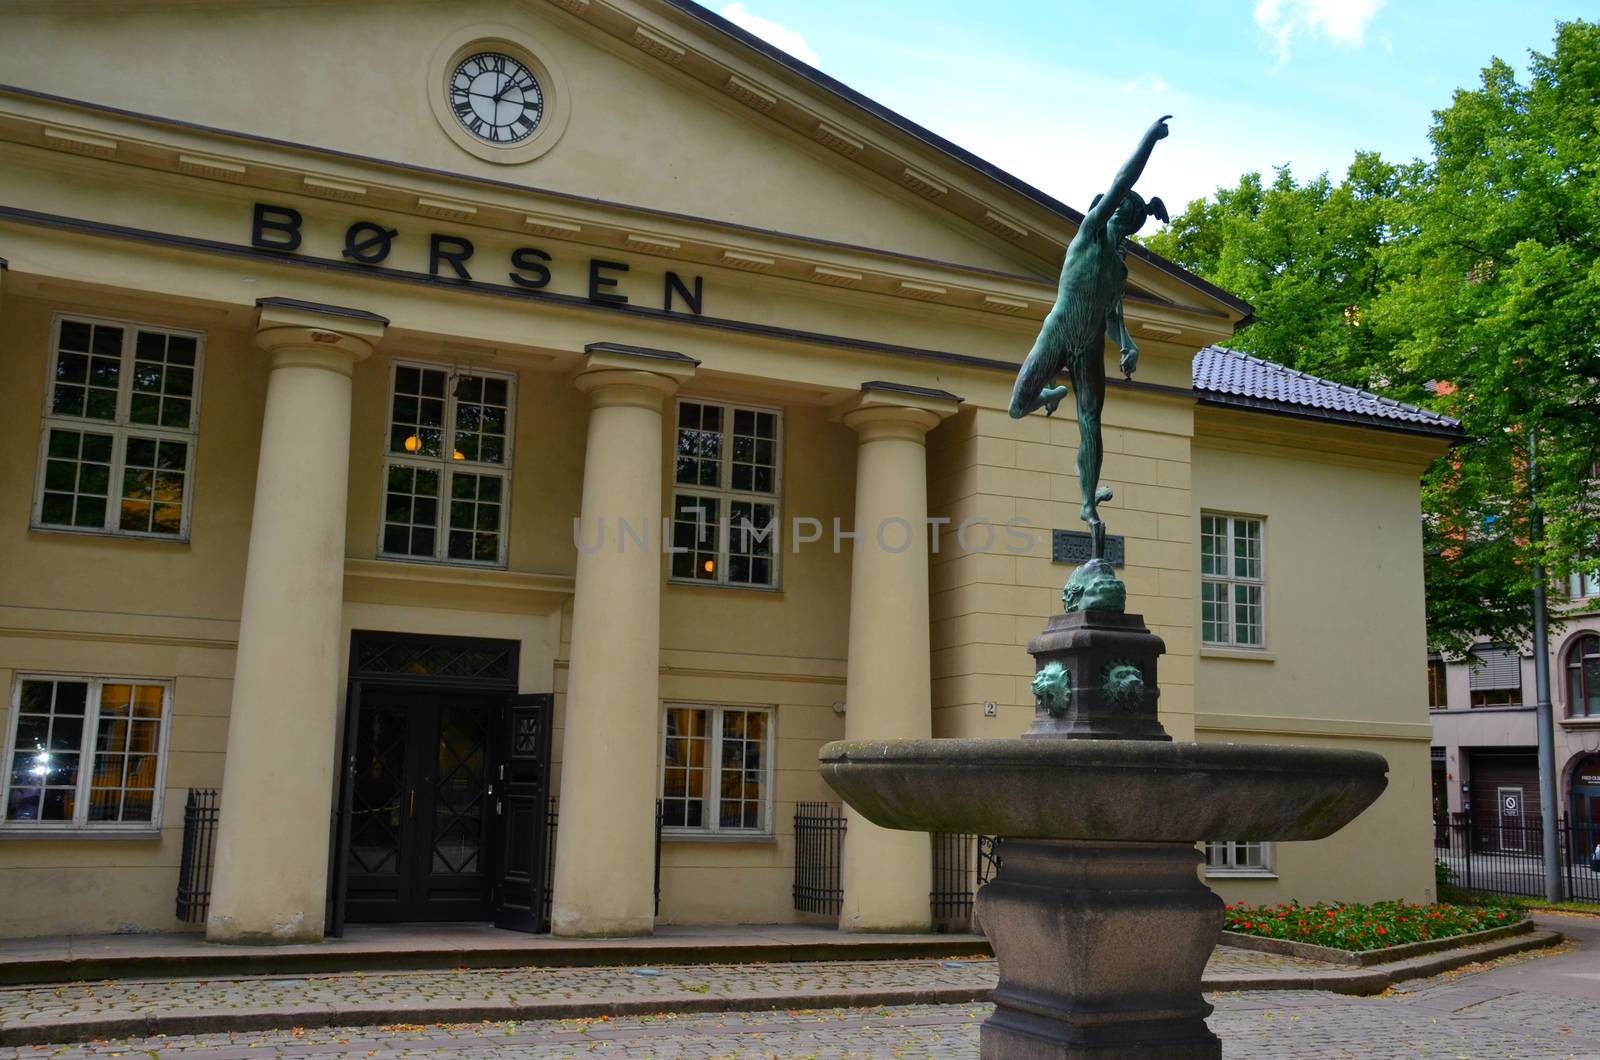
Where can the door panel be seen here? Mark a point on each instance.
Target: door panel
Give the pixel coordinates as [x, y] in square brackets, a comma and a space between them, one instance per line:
[451, 881]
[520, 795]
[380, 782]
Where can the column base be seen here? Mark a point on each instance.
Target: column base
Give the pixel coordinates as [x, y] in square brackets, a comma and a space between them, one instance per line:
[601, 928]
[1101, 947]
[291, 932]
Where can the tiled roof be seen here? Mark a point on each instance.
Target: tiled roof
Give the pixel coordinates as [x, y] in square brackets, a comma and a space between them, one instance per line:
[1222, 376]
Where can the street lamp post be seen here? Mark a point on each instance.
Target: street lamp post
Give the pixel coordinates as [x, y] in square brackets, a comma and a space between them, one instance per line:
[1549, 797]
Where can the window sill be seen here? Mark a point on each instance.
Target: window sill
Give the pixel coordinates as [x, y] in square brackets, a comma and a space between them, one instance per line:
[1592, 722]
[693, 583]
[114, 535]
[429, 561]
[718, 837]
[1214, 651]
[1240, 874]
[141, 834]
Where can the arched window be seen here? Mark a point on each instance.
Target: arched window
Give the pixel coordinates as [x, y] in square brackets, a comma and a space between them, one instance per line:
[1583, 677]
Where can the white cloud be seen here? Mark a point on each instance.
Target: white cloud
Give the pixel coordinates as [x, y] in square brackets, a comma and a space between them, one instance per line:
[774, 33]
[1341, 21]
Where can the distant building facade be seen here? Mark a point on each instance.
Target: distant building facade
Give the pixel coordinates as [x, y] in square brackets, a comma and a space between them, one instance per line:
[1485, 735]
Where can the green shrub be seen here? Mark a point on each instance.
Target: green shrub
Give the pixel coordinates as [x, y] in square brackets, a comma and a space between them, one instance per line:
[1443, 875]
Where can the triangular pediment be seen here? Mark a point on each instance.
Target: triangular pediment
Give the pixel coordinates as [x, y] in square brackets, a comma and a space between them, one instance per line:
[662, 107]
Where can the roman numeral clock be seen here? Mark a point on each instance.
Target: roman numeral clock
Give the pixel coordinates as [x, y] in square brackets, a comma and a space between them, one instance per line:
[496, 98]
[497, 93]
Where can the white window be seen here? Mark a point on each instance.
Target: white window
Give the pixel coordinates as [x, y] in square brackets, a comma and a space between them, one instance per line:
[1581, 585]
[1232, 581]
[447, 472]
[122, 409]
[1228, 858]
[85, 753]
[716, 769]
[726, 493]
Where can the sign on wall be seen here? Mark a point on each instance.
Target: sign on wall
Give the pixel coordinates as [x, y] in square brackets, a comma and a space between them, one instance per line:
[454, 257]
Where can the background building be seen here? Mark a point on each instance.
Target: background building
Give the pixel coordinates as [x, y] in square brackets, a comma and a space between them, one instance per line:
[1485, 737]
[393, 385]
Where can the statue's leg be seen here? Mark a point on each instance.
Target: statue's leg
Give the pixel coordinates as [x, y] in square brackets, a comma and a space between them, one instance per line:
[1033, 389]
[1089, 381]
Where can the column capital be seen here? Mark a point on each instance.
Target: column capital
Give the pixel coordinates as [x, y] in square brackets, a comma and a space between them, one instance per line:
[615, 374]
[322, 336]
[885, 410]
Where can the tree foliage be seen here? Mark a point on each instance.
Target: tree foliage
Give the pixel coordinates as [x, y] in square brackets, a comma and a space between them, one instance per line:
[1469, 282]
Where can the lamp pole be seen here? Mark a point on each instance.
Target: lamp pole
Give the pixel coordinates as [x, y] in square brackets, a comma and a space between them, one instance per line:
[1549, 797]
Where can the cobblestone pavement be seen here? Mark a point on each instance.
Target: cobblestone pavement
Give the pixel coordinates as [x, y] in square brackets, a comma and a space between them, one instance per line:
[32, 1005]
[1459, 1014]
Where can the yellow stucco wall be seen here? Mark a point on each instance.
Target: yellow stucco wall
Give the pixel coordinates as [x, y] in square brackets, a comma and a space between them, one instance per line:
[1344, 630]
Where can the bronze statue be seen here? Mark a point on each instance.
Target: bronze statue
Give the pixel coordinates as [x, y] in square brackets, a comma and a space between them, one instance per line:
[1088, 306]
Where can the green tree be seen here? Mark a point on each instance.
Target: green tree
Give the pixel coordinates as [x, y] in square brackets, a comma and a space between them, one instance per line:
[1477, 269]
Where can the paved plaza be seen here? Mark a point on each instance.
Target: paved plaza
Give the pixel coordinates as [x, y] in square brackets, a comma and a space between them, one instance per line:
[1526, 1006]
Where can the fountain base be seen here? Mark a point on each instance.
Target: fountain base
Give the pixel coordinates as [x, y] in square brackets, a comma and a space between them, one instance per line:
[1101, 947]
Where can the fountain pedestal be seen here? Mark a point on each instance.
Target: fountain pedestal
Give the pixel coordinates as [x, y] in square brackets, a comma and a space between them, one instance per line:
[1075, 926]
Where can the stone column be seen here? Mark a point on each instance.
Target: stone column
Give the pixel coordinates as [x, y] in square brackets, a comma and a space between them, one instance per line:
[605, 855]
[887, 874]
[271, 879]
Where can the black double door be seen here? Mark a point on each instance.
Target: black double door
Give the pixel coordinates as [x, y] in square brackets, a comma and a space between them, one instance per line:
[440, 822]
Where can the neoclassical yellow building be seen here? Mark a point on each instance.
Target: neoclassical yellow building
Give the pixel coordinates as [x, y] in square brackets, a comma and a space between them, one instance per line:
[424, 411]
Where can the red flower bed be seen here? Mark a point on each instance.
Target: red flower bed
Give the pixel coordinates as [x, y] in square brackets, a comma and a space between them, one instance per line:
[1349, 926]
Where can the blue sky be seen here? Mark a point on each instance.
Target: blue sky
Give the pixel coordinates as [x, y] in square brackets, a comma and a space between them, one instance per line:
[1058, 91]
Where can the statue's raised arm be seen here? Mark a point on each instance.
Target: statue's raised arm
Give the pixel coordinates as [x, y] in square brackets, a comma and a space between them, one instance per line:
[1105, 205]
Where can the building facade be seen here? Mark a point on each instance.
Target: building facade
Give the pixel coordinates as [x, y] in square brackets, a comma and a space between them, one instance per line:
[1485, 732]
[426, 414]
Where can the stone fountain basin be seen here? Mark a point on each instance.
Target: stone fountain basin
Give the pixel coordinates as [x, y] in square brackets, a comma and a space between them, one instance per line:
[1109, 790]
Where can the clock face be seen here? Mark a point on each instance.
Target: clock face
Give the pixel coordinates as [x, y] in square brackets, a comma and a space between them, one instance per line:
[496, 98]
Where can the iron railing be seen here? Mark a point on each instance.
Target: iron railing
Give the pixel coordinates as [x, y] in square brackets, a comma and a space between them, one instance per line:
[961, 864]
[1499, 856]
[552, 820]
[818, 853]
[199, 848]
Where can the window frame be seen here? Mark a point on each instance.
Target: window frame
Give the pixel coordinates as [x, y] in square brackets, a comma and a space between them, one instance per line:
[1437, 665]
[1233, 866]
[119, 428]
[1571, 660]
[446, 466]
[1583, 586]
[81, 825]
[1488, 694]
[1231, 581]
[713, 829]
[726, 496]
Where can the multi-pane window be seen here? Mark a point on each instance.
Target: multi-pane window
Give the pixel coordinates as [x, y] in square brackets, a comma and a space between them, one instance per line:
[1224, 857]
[726, 495]
[1581, 585]
[1438, 695]
[1232, 581]
[1583, 677]
[716, 765]
[1496, 676]
[121, 414]
[447, 475]
[85, 753]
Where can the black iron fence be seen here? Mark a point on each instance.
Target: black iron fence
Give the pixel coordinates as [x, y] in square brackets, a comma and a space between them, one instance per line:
[552, 819]
[961, 864]
[1506, 856]
[818, 853]
[199, 848]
